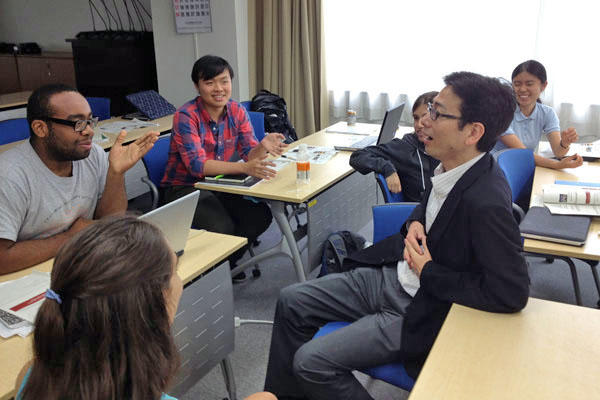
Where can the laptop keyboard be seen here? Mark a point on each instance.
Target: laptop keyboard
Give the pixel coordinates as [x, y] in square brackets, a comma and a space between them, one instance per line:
[368, 141]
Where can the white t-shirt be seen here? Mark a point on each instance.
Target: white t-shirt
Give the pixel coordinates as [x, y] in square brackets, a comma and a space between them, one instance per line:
[35, 203]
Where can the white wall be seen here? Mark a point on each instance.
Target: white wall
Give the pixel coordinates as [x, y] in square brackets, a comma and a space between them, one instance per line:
[50, 22]
[176, 54]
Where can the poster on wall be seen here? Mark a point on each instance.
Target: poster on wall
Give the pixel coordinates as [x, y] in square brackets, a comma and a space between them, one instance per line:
[192, 16]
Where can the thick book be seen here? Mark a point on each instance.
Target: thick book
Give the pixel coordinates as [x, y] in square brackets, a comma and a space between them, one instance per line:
[540, 224]
[238, 180]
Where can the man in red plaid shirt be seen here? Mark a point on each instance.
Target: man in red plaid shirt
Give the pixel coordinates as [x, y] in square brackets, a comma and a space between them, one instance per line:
[210, 133]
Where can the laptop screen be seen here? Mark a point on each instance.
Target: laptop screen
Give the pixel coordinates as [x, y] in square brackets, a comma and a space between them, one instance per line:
[390, 124]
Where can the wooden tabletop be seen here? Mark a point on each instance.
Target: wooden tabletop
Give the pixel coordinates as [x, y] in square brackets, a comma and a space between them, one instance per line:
[9, 100]
[165, 125]
[203, 250]
[547, 351]
[284, 188]
[588, 172]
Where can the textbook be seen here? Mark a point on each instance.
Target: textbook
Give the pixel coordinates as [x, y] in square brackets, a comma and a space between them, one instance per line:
[540, 224]
[572, 199]
[238, 180]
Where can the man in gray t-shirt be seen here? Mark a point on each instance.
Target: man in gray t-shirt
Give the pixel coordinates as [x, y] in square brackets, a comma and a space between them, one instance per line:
[54, 185]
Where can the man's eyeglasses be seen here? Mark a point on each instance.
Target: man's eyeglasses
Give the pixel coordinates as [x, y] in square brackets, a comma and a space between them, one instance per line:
[435, 114]
[78, 125]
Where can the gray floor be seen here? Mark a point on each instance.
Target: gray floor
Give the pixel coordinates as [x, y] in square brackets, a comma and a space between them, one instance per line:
[255, 299]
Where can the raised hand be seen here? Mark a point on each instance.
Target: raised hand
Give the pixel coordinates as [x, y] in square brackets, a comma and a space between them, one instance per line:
[568, 136]
[121, 158]
[273, 143]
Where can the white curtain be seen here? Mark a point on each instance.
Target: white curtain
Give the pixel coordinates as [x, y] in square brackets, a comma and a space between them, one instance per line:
[382, 52]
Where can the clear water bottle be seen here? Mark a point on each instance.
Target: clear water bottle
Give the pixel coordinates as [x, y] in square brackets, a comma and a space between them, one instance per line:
[303, 165]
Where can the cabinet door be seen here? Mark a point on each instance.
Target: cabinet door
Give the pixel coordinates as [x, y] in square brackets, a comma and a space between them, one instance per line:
[33, 72]
[61, 70]
[9, 79]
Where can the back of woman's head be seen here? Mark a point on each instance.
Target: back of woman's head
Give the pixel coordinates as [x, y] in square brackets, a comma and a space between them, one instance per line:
[109, 337]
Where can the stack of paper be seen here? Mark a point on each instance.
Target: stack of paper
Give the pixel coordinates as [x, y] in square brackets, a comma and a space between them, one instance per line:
[572, 198]
[22, 298]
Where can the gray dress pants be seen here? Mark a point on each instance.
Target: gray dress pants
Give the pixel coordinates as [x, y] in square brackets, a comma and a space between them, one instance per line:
[371, 298]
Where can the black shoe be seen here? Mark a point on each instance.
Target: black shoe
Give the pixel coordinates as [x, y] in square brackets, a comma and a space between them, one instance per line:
[241, 277]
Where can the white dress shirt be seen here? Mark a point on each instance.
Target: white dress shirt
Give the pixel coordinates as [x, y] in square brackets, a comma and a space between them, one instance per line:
[442, 183]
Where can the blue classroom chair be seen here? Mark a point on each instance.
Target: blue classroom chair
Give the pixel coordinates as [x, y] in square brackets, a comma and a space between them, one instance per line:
[100, 107]
[257, 119]
[155, 162]
[387, 220]
[388, 196]
[13, 130]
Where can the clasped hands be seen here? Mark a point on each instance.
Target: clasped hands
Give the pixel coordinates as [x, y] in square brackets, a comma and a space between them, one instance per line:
[416, 253]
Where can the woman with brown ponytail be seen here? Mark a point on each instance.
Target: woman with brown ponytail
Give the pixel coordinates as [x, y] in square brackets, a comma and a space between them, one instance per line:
[104, 331]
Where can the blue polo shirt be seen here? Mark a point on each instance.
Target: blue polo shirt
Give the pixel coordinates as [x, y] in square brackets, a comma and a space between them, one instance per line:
[542, 120]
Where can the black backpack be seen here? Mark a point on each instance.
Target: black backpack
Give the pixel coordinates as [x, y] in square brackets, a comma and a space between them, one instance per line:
[336, 247]
[276, 116]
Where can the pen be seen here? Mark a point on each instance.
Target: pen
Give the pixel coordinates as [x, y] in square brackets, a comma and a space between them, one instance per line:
[219, 176]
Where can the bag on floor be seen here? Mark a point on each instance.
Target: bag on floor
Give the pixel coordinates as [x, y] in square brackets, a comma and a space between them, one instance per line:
[336, 247]
[276, 116]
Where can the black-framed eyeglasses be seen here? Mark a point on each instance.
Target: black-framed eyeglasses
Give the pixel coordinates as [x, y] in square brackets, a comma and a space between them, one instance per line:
[79, 125]
[435, 114]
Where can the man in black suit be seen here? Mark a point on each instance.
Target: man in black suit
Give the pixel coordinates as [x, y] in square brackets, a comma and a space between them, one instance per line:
[462, 246]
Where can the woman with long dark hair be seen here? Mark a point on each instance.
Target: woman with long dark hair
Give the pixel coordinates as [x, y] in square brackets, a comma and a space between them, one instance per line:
[104, 331]
[533, 119]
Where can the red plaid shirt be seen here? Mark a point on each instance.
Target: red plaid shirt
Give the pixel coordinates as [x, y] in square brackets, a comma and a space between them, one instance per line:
[196, 138]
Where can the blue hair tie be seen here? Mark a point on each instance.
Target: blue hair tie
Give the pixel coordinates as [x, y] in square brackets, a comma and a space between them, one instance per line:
[52, 295]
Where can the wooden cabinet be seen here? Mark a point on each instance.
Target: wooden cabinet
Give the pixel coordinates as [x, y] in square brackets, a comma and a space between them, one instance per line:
[32, 71]
[9, 79]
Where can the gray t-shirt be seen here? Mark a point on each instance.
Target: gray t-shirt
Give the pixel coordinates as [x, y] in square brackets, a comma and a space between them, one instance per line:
[35, 203]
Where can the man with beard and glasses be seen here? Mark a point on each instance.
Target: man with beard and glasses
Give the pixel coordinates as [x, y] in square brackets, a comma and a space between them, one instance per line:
[58, 182]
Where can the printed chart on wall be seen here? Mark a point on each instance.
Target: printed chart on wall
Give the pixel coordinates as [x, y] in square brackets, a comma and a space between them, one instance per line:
[192, 16]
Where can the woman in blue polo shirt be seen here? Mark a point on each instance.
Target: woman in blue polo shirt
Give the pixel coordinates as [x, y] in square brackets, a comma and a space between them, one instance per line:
[533, 119]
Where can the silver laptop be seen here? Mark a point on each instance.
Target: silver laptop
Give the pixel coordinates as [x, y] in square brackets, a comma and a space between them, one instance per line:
[386, 134]
[175, 220]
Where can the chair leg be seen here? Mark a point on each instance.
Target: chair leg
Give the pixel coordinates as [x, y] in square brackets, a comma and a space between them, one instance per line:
[593, 264]
[575, 279]
[229, 378]
[256, 270]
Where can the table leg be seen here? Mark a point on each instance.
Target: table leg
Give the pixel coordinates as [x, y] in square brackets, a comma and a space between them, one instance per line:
[574, 276]
[287, 245]
[278, 210]
[229, 378]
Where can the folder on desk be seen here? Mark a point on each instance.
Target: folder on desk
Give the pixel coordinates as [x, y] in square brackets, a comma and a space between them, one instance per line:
[540, 224]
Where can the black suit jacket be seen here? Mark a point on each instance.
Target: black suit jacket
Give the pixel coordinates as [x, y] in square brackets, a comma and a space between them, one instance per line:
[475, 247]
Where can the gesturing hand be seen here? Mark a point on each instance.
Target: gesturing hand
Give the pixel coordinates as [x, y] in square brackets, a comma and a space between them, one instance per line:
[273, 143]
[121, 158]
[568, 136]
[259, 167]
[393, 182]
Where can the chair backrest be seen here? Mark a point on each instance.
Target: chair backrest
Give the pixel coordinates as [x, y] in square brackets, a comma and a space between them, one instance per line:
[518, 166]
[389, 218]
[388, 196]
[246, 104]
[100, 107]
[13, 130]
[156, 159]
[257, 119]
